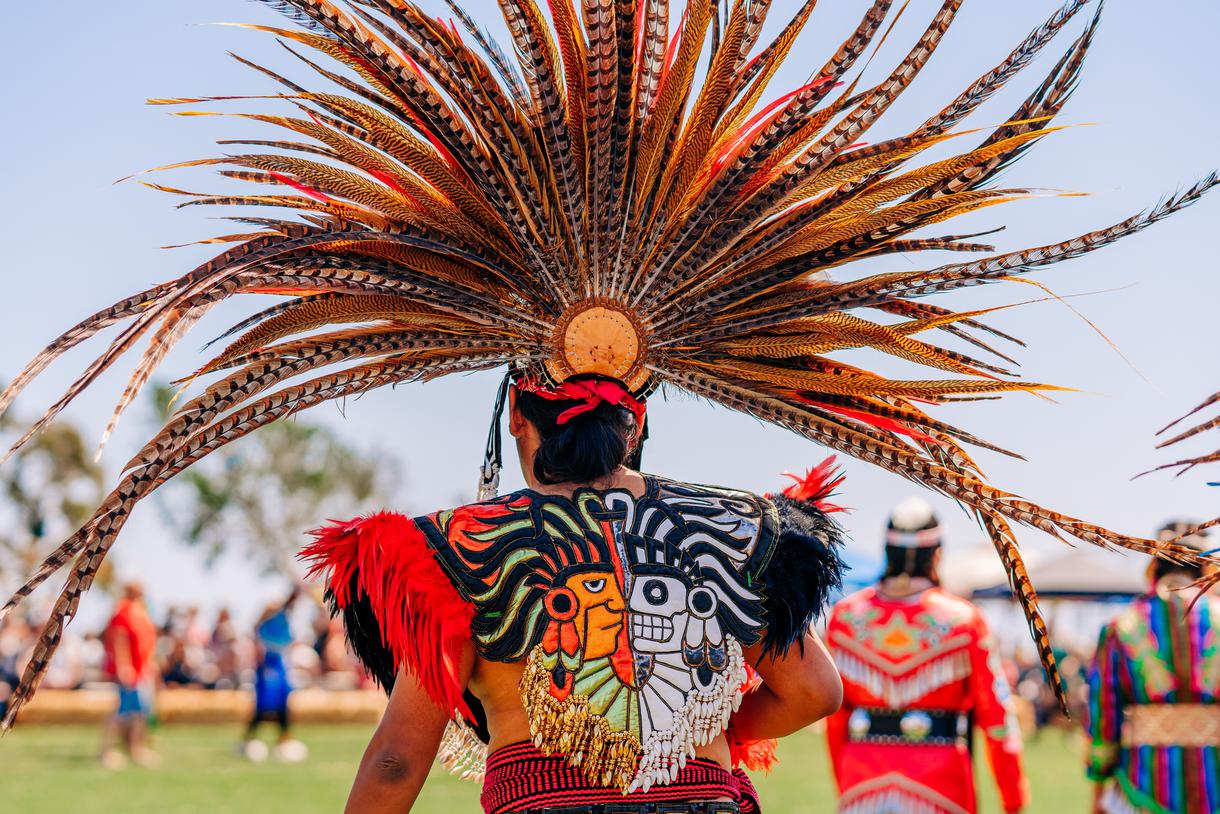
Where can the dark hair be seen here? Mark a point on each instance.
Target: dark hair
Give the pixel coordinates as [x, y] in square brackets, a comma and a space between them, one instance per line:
[1163, 568]
[588, 447]
[911, 561]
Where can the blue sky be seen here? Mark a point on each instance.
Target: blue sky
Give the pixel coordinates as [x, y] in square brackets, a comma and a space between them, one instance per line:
[75, 79]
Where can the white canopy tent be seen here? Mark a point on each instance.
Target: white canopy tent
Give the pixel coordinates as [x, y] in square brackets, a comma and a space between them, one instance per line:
[1079, 573]
[1080, 589]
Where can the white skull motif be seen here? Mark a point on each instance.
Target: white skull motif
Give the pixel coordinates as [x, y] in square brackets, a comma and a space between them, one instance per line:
[667, 613]
[657, 608]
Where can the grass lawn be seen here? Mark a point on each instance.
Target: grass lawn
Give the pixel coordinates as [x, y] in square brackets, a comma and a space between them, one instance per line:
[53, 769]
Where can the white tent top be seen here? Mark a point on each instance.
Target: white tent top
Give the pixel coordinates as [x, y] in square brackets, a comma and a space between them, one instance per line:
[1078, 572]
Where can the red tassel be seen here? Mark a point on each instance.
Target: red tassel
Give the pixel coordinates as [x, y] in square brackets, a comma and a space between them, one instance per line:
[424, 621]
[817, 485]
[755, 755]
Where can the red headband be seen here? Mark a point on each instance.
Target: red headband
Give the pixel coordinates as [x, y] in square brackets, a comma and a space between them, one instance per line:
[591, 392]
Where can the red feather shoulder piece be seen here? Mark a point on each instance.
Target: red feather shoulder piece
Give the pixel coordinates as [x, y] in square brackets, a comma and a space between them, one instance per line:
[398, 606]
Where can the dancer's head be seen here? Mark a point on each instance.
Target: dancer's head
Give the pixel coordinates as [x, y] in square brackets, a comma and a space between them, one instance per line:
[912, 541]
[133, 591]
[580, 432]
[1173, 531]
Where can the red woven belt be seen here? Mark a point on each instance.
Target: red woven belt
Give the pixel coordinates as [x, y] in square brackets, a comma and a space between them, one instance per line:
[519, 777]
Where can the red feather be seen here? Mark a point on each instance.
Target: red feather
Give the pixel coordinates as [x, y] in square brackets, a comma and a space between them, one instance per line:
[754, 126]
[881, 423]
[817, 485]
[671, 52]
[389, 181]
[757, 756]
[424, 622]
[298, 186]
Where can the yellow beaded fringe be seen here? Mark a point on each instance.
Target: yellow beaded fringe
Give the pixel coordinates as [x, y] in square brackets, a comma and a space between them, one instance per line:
[567, 727]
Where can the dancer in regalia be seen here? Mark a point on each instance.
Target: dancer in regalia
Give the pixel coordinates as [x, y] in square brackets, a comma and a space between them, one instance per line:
[920, 675]
[625, 204]
[1154, 696]
[604, 631]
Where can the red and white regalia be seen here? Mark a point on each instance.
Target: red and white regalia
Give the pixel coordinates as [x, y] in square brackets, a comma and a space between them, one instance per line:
[918, 674]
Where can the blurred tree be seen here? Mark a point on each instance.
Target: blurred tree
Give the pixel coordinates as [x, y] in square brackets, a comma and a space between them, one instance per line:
[262, 493]
[50, 487]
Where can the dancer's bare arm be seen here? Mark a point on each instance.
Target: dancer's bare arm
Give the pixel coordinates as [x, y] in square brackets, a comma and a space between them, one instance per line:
[396, 762]
[798, 688]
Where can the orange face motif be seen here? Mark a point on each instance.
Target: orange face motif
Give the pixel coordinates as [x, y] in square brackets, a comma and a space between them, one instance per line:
[600, 606]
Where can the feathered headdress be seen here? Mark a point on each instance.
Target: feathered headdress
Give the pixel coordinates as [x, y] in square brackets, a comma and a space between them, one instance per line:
[627, 196]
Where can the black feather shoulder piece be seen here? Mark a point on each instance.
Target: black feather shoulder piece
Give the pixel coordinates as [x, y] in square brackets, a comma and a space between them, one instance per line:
[806, 568]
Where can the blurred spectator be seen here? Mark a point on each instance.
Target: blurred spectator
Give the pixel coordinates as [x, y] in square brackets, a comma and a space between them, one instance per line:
[93, 659]
[1034, 688]
[322, 637]
[273, 685]
[130, 639]
[224, 653]
[16, 640]
[176, 671]
[195, 641]
[66, 671]
[336, 667]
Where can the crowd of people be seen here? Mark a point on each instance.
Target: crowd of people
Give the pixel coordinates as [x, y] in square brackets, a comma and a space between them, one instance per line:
[136, 656]
[186, 648]
[216, 652]
[193, 649]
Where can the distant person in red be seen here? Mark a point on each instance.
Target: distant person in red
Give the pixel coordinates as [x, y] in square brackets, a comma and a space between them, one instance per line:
[920, 674]
[130, 640]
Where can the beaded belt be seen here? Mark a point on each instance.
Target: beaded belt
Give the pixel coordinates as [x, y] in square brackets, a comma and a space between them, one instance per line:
[1192, 725]
[912, 727]
[639, 808]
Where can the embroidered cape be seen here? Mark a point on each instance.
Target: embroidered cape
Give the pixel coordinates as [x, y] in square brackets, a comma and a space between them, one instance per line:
[631, 614]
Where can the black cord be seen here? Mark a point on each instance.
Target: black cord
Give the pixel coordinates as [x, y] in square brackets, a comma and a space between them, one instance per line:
[493, 455]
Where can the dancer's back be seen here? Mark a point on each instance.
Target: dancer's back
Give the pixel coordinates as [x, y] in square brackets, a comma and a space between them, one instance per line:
[606, 629]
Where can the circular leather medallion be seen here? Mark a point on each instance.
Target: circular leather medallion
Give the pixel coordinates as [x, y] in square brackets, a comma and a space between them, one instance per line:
[602, 337]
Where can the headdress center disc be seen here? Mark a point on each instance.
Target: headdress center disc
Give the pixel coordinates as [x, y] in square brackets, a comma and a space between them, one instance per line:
[602, 337]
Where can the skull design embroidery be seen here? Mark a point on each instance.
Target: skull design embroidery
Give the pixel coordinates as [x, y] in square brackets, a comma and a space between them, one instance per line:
[630, 612]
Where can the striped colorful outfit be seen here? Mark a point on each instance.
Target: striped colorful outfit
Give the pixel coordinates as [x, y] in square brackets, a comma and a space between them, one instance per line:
[1157, 652]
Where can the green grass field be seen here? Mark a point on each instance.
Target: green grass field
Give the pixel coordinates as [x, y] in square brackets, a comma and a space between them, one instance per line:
[54, 769]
